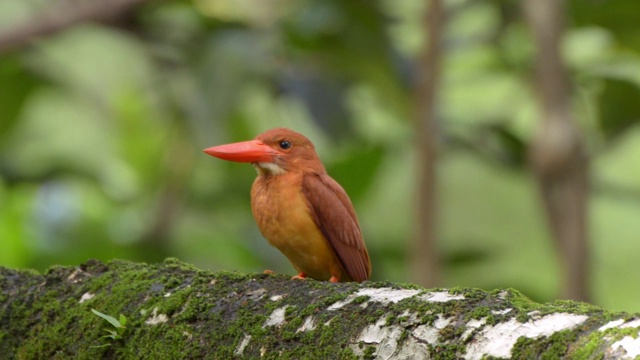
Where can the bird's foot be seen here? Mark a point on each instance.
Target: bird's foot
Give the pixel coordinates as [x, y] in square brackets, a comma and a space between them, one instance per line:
[301, 276]
[334, 279]
[268, 272]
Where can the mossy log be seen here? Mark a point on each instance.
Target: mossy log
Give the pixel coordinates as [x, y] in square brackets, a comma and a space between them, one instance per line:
[175, 311]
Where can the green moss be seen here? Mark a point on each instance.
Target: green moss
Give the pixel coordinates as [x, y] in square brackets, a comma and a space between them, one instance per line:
[553, 347]
[333, 298]
[309, 310]
[574, 307]
[346, 354]
[390, 320]
[522, 317]
[491, 320]
[361, 299]
[478, 313]
[447, 351]
[447, 333]
[369, 352]
[289, 310]
[596, 340]
[587, 346]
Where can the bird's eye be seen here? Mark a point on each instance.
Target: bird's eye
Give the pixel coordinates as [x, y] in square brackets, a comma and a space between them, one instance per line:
[284, 145]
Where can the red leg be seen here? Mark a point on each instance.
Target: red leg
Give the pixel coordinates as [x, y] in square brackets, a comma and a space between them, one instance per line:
[301, 276]
[268, 272]
[334, 279]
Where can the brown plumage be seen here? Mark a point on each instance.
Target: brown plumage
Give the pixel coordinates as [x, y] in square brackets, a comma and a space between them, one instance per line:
[299, 208]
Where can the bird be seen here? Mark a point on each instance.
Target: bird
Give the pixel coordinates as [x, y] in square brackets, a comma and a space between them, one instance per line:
[299, 208]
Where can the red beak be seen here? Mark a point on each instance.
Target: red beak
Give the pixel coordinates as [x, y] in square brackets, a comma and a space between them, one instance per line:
[247, 151]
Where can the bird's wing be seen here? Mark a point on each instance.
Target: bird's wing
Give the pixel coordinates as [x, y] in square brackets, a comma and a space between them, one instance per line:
[332, 211]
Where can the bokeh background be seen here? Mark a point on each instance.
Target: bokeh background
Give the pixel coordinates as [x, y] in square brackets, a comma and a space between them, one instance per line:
[103, 119]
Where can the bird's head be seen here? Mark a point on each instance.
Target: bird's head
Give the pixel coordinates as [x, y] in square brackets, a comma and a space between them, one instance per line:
[274, 152]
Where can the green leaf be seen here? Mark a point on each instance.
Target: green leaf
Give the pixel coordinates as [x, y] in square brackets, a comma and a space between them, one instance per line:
[123, 320]
[16, 85]
[357, 170]
[617, 16]
[112, 334]
[113, 321]
[619, 107]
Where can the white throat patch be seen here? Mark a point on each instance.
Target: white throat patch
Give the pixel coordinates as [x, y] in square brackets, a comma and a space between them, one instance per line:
[271, 168]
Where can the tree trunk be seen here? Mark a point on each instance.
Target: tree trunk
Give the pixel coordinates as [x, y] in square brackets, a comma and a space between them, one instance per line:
[175, 311]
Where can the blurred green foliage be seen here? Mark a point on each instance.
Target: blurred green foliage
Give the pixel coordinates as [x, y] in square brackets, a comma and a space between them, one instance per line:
[101, 132]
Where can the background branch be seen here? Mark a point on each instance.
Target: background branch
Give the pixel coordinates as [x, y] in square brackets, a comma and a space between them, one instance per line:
[425, 268]
[558, 157]
[57, 19]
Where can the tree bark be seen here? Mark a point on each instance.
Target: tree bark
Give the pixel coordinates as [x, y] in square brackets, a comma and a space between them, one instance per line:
[175, 311]
[557, 152]
[425, 267]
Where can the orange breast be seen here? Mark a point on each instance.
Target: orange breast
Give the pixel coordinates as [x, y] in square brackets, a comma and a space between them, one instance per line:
[283, 217]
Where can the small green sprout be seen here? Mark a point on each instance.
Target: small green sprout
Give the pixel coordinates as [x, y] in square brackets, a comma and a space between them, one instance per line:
[118, 324]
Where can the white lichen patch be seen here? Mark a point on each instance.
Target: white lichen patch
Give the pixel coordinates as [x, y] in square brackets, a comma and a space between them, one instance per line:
[156, 318]
[308, 325]
[384, 338]
[535, 314]
[631, 324]
[430, 333]
[167, 294]
[277, 317]
[243, 344]
[501, 312]
[611, 324]
[389, 295]
[630, 345]
[471, 326]
[276, 297]
[412, 348]
[386, 295]
[74, 276]
[408, 318]
[86, 296]
[257, 294]
[441, 296]
[381, 295]
[498, 340]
